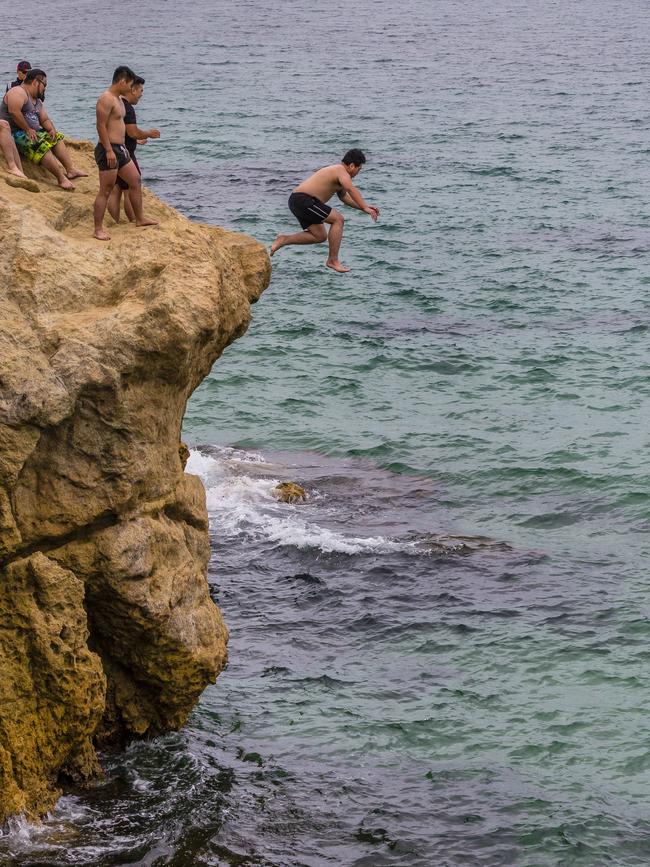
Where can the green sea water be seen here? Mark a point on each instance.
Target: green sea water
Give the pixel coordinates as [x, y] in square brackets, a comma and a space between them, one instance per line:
[443, 658]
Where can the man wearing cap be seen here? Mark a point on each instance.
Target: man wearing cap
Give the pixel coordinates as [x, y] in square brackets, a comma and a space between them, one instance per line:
[21, 71]
[7, 143]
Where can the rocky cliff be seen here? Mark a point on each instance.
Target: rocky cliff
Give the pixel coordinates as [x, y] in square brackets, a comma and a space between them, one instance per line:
[107, 629]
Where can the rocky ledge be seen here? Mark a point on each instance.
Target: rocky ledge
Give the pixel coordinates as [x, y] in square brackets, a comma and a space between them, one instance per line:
[107, 629]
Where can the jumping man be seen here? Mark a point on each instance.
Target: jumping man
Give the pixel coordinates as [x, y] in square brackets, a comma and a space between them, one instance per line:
[307, 204]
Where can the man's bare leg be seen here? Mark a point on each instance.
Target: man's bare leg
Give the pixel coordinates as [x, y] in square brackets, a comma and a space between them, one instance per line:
[114, 201]
[61, 153]
[337, 221]
[106, 183]
[315, 234]
[128, 207]
[132, 176]
[50, 162]
[11, 155]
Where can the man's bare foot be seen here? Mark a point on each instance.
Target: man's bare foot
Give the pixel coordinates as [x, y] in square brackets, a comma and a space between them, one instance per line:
[145, 221]
[76, 173]
[65, 184]
[335, 265]
[18, 172]
[101, 235]
[279, 242]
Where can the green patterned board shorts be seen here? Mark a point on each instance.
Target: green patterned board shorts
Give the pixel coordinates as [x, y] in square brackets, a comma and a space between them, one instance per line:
[36, 150]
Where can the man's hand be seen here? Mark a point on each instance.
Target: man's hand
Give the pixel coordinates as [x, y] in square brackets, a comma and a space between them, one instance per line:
[52, 134]
[111, 159]
[32, 135]
[372, 212]
[153, 133]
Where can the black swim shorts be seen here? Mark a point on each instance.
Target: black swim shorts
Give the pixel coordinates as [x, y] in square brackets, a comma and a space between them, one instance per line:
[308, 210]
[122, 184]
[120, 152]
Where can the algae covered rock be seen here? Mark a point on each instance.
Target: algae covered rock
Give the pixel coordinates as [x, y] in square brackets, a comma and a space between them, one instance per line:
[108, 628]
[289, 492]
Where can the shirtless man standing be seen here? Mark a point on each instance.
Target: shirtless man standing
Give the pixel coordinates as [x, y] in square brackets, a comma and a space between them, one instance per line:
[111, 155]
[307, 204]
[134, 137]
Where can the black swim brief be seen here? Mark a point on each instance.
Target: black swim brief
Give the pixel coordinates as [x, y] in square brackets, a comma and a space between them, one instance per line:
[122, 184]
[120, 152]
[308, 210]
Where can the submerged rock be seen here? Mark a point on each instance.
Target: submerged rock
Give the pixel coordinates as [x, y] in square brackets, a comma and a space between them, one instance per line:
[289, 492]
[108, 630]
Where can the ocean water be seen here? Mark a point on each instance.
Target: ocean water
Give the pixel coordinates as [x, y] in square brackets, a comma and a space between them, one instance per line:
[441, 658]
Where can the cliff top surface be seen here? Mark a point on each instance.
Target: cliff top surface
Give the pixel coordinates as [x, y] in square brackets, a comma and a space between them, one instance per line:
[70, 213]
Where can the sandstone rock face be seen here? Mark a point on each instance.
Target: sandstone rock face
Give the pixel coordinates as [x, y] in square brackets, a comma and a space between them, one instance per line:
[107, 629]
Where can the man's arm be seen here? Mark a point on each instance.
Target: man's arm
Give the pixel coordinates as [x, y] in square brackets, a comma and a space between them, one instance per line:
[351, 196]
[16, 99]
[347, 199]
[47, 124]
[104, 109]
[134, 131]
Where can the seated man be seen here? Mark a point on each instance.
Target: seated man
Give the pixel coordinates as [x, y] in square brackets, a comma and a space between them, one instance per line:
[34, 133]
[7, 143]
[8, 147]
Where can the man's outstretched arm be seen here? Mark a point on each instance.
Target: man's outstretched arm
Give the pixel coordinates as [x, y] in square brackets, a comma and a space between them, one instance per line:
[351, 196]
[347, 199]
[134, 131]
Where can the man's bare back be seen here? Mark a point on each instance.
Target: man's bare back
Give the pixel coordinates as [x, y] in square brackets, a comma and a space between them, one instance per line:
[325, 182]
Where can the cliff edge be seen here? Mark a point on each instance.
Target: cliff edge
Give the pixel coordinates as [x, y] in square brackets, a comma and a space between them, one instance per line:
[107, 629]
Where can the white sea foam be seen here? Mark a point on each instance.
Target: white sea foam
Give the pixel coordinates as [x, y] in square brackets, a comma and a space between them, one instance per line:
[19, 835]
[302, 535]
[240, 503]
[200, 464]
[19, 829]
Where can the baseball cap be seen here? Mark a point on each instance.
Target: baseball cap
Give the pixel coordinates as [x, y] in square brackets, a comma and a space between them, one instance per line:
[23, 66]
